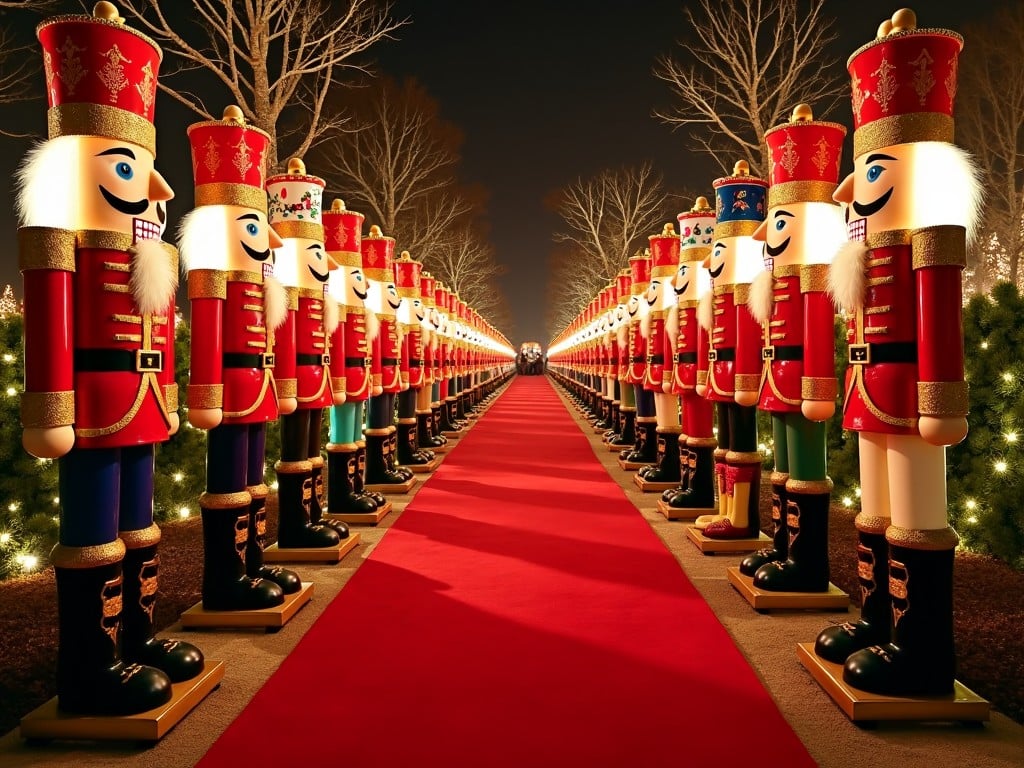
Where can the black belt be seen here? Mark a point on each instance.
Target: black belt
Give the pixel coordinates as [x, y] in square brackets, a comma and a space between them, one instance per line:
[247, 360]
[389, 361]
[415, 363]
[686, 357]
[785, 353]
[882, 352]
[655, 359]
[727, 354]
[638, 359]
[357, 362]
[117, 360]
[304, 359]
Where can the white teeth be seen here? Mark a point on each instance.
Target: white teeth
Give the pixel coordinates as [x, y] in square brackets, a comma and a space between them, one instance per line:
[857, 229]
[145, 230]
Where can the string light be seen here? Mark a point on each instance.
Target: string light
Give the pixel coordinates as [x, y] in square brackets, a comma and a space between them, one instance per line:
[8, 358]
[184, 512]
[178, 477]
[27, 562]
[1007, 377]
[984, 345]
[273, 485]
[56, 500]
[5, 538]
[856, 492]
[1011, 437]
[1000, 466]
[13, 506]
[847, 501]
[971, 504]
[11, 391]
[972, 519]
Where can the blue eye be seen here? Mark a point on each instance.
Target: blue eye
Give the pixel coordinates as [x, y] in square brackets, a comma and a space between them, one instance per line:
[252, 229]
[780, 225]
[124, 170]
[874, 172]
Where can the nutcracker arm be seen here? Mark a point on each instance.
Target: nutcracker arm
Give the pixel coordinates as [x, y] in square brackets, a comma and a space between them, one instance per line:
[285, 372]
[818, 386]
[168, 380]
[336, 369]
[749, 336]
[207, 292]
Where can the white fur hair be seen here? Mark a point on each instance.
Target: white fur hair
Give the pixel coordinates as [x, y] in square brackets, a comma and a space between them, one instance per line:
[332, 315]
[847, 275]
[672, 322]
[45, 196]
[275, 302]
[947, 180]
[706, 311]
[622, 335]
[153, 279]
[202, 239]
[372, 325]
[761, 298]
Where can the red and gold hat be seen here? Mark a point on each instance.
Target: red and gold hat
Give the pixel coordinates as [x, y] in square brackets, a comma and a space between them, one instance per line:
[805, 156]
[696, 230]
[664, 252]
[440, 296]
[295, 202]
[623, 281]
[229, 161]
[740, 202]
[639, 273]
[100, 77]
[378, 256]
[407, 276]
[903, 84]
[343, 234]
[427, 289]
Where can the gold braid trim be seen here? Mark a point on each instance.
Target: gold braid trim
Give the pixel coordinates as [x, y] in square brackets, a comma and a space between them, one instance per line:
[670, 430]
[942, 398]
[813, 278]
[701, 442]
[866, 523]
[748, 382]
[292, 467]
[82, 119]
[244, 276]
[779, 478]
[207, 284]
[226, 193]
[888, 238]
[789, 192]
[940, 246]
[819, 388]
[304, 229]
[809, 486]
[224, 500]
[342, 447]
[720, 453]
[316, 462]
[291, 295]
[63, 556]
[260, 491]
[47, 409]
[901, 129]
[743, 457]
[46, 248]
[735, 228]
[377, 431]
[287, 388]
[143, 537]
[205, 395]
[789, 270]
[171, 396]
[933, 540]
[338, 383]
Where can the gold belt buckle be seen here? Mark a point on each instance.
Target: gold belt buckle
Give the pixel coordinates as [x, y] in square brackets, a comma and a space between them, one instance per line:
[767, 353]
[859, 354]
[149, 361]
[267, 360]
[712, 355]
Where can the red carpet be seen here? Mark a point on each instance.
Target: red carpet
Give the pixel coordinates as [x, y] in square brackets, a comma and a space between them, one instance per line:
[521, 612]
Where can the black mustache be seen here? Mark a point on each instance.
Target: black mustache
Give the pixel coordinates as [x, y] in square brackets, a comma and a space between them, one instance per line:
[773, 252]
[716, 272]
[316, 275]
[680, 291]
[867, 209]
[362, 296]
[254, 254]
[125, 206]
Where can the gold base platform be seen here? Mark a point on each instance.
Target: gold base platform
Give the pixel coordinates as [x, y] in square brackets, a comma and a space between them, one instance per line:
[46, 722]
[963, 705]
[395, 488]
[362, 518]
[632, 466]
[271, 619]
[832, 599]
[275, 554]
[421, 469]
[710, 546]
[682, 513]
[648, 486]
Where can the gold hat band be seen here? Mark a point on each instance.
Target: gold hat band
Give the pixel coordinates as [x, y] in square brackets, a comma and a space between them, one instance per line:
[226, 193]
[303, 229]
[408, 293]
[379, 275]
[346, 258]
[902, 129]
[790, 192]
[735, 228]
[81, 119]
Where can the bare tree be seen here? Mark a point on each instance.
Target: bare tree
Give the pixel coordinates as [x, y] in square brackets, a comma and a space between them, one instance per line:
[465, 263]
[568, 294]
[270, 56]
[990, 123]
[396, 164]
[16, 65]
[752, 61]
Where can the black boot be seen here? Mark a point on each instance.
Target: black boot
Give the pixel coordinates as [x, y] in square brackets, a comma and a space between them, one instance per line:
[627, 428]
[920, 660]
[423, 432]
[141, 572]
[92, 678]
[435, 423]
[391, 456]
[836, 643]
[294, 528]
[255, 568]
[667, 469]
[780, 533]
[226, 585]
[647, 451]
[359, 479]
[341, 495]
[319, 499]
[409, 453]
[659, 456]
[377, 470]
[805, 568]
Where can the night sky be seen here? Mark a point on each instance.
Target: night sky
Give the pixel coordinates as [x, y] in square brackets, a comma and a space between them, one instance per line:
[544, 92]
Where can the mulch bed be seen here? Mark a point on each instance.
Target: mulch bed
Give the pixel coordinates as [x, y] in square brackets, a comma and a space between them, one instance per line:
[987, 596]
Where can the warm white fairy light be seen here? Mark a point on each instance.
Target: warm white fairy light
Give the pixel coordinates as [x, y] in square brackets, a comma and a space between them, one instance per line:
[27, 562]
[762, 447]
[184, 512]
[972, 519]
[13, 506]
[178, 477]
[5, 538]
[56, 500]
[11, 391]
[856, 492]
[847, 501]
[8, 358]
[1000, 466]
[1007, 377]
[971, 504]
[984, 345]
[1011, 437]
[273, 485]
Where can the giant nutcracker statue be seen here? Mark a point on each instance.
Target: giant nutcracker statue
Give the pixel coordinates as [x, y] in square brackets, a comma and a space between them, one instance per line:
[801, 233]
[913, 198]
[646, 422]
[734, 358]
[696, 492]
[664, 474]
[427, 428]
[625, 430]
[302, 357]
[99, 356]
[226, 244]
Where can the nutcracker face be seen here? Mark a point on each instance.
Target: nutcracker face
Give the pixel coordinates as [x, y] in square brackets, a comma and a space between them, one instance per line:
[419, 311]
[356, 287]
[879, 192]
[251, 239]
[681, 280]
[390, 300]
[798, 233]
[302, 263]
[655, 292]
[735, 260]
[723, 260]
[119, 190]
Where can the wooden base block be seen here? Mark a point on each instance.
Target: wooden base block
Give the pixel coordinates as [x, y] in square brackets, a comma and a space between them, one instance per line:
[599, 429]
[274, 618]
[617, 448]
[394, 488]
[421, 469]
[363, 518]
[682, 513]
[648, 486]
[46, 722]
[963, 705]
[832, 599]
[275, 554]
[631, 466]
[453, 435]
[440, 450]
[713, 546]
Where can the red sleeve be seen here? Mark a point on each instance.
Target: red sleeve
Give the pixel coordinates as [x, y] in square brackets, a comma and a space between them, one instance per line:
[206, 358]
[940, 336]
[49, 330]
[284, 344]
[819, 336]
[749, 337]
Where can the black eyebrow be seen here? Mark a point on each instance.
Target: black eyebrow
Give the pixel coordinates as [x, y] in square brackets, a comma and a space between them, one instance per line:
[873, 158]
[719, 244]
[245, 216]
[314, 247]
[784, 213]
[117, 151]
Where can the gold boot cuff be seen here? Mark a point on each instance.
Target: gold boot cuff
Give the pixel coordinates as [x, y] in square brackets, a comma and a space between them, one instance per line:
[225, 500]
[87, 557]
[701, 442]
[341, 447]
[292, 467]
[779, 478]
[143, 537]
[260, 491]
[936, 540]
[866, 523]
[743, 457]
[810, 487]
[316, 462]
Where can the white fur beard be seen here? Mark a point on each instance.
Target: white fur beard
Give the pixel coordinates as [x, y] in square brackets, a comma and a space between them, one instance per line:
[153, 279]
[427, 335]
[372, 325]
[275, 302]
[847, 276]
[706, 312]
[399, 333]
[332, 315]
[623, 335]
[761, 297]
[672, 322]
[645, 326]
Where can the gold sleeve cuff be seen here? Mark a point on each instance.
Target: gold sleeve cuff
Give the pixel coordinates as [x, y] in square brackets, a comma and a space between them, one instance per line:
[46, 248]
[702, 377]
[337, 383]
[64, 556]
[809, 486]
[934, 540]
[941, 246]
[171, 396]
[748, 382]
[819, 388]
[205, 395]
[234, 500]
[292, 295]
[378, 379]
[207, 284]
[143, 537]
[743, 457]
[942, 398]
[47, 409]
[814, 278]
[287, 388]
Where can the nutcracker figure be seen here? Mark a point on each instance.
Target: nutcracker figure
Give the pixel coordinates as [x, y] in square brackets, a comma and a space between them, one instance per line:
[661, 298]
[302, 358]
[351, 358]
[696, 491]
[912, 200]
[226, 244]
[427, 430]
[646, 421]
[99, 356]
[612, 317]
[409, 317]
[734, 358]
[625, 433]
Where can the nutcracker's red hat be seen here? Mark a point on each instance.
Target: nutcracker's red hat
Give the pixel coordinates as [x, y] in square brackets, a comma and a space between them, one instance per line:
[100, 77]
[427, 290]
[407, 276]
[639, 273]
[343, 235]
[378, 256]
[623, 281]
[229, 160]
[805, 156]
[664, 252]
[440, 296]
[295, 202]
[903, 84]
[694, 225]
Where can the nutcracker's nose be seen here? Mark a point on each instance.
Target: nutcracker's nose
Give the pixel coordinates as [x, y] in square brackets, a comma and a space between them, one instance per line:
[760, 234]
[275, 239]
[159, 189]
[844, 192]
